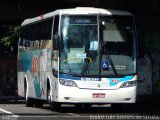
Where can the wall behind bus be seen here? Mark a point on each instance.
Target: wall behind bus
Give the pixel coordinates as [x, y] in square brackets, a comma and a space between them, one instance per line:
[8, 77]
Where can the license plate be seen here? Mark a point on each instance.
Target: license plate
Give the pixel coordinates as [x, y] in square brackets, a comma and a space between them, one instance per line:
[98, 95]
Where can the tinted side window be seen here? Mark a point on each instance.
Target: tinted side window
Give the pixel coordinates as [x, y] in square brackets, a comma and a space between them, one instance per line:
[56, 25]
[33, 34]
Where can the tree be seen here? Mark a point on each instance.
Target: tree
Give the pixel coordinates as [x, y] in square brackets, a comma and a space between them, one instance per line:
[9, 41]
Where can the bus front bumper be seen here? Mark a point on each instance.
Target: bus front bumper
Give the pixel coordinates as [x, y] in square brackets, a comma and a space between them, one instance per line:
[75, 95]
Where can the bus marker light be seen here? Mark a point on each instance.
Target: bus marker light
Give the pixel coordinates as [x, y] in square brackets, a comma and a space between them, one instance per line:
[41, 16]
[67, 98]
[127, 99]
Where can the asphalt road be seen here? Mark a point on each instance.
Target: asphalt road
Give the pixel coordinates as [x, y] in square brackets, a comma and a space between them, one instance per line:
[68, 112]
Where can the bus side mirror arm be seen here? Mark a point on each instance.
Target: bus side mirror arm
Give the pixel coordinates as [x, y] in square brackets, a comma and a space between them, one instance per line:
[56, 42]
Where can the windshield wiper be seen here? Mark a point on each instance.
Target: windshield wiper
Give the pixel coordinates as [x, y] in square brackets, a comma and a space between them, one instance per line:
[85, 68]
[88, 61]
[108, 57]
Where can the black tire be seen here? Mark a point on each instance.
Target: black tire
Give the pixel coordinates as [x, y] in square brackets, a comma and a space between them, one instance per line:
[49, 97]
[85, 106]
[56, 106]
[53, 105]
[38, 103]
[28, 101]
[79, 106]
[118, 107]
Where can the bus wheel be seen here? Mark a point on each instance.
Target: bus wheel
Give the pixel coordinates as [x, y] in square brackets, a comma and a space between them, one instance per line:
[79, 106]
[38, 103]
[49, 97]
[87, 106]
[118, 107]
[53, 105]
[29, 102]
[56, 106]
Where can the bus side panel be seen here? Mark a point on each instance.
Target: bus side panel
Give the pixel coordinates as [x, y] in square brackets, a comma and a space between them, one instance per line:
[45, 71]
[21, 73]
[34, 66]
[42, 74]
[39, 70]
[21, 84]
[24, 71]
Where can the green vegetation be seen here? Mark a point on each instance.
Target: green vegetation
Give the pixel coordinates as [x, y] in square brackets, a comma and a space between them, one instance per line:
[9, 39]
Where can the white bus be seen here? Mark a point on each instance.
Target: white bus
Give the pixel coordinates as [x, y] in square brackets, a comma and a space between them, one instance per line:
[80, 56]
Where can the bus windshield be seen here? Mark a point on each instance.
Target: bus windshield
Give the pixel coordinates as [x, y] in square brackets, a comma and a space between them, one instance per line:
[92, 45]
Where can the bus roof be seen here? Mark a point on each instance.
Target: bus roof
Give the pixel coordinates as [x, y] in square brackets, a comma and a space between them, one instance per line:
[76, 11]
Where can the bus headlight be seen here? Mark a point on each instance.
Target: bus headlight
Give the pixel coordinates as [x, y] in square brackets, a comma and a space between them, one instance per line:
[128, 84]
[69, 83]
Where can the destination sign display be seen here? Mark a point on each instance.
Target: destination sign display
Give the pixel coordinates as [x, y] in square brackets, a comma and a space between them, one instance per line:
[82, 20]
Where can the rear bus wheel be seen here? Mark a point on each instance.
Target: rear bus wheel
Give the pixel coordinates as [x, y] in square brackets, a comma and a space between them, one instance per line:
[28, 101]
[38, 103]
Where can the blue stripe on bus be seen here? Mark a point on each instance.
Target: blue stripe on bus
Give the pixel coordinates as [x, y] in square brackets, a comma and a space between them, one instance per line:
[115, 81]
